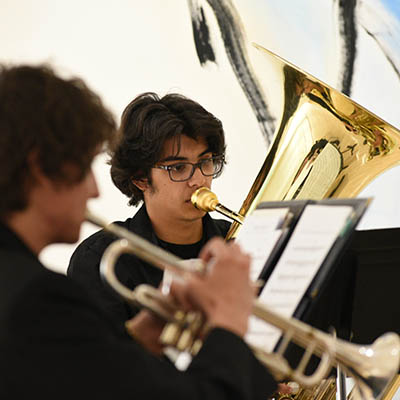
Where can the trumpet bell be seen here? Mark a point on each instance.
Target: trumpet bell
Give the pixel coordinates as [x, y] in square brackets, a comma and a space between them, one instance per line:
[373, 367]
[325, 145]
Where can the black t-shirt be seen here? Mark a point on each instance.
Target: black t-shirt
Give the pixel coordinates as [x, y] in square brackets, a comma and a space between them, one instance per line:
[55, 343]
[184, 251]
[131, 270]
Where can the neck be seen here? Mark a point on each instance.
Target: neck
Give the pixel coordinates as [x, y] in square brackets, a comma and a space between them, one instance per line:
[178, 232]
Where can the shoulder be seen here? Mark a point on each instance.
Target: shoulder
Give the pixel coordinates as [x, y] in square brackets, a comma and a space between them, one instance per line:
[31, 284]
[97, 242]
[87, 255]
[17, 271]
[63, 308]
[100, 240]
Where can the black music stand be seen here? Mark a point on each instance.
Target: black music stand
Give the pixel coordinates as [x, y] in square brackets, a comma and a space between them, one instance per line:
[326, 304]
[364, 287]
[374, 255]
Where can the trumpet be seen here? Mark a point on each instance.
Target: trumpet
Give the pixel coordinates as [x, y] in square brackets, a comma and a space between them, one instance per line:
[372, 367]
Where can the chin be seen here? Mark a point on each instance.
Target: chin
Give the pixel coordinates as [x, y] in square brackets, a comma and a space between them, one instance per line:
[192, 212]
[198, 213]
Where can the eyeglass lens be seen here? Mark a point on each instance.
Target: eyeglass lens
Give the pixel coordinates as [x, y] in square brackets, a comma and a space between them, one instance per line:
[184, 171]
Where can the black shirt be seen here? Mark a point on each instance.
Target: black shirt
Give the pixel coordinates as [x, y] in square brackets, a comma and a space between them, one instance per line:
[55, 343]
[130, 270]
[184, 251]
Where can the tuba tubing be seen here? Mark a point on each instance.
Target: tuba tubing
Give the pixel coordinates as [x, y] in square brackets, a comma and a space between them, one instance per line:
[372, 367]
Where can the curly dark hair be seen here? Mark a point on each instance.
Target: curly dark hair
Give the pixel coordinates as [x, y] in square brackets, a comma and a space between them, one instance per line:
[61, 121]
[146, 123]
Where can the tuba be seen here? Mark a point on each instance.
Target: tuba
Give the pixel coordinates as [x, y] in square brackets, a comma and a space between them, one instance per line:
[326, 145]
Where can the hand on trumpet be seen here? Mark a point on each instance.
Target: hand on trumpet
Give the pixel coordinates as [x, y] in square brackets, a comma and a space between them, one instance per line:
[224, 294]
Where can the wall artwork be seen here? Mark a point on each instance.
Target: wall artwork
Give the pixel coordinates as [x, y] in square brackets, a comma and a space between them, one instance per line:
[356, 44]
[204, 49]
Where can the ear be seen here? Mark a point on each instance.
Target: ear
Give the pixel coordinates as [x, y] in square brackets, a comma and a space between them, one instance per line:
[142, 184]
[37, 174]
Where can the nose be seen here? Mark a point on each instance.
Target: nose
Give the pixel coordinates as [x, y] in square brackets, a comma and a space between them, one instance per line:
[197, 178]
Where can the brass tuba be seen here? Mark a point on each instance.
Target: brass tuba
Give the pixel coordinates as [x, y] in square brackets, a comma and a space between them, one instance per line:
[325, 145]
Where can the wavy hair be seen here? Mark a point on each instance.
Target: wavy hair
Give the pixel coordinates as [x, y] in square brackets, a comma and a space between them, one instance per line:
[146, 123]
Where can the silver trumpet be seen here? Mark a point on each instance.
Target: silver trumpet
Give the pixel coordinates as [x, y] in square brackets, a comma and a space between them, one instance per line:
[372, 367]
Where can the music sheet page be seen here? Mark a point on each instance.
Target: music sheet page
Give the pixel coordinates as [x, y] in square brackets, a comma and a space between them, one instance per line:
[259, 235]
[309, 244]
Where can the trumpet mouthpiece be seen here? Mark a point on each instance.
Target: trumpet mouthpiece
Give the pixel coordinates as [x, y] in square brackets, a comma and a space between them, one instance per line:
[204, 199]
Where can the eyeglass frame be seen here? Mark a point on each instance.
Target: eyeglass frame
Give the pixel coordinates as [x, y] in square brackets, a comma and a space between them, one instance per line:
[198, 165]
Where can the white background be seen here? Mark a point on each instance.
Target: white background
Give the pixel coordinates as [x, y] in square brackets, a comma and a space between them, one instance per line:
[123, 48]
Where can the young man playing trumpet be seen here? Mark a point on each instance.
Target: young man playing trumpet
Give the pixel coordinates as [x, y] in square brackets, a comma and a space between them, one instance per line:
[167, 148]
[55, 342]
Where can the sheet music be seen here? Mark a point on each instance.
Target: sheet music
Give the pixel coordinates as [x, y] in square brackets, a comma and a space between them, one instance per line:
[259, 235]
[311, 240]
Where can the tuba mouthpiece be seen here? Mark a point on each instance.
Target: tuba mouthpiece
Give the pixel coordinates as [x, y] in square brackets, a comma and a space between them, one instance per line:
[204, 199]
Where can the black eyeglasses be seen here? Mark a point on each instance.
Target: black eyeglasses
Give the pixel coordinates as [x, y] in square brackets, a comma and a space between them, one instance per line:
[183, 171]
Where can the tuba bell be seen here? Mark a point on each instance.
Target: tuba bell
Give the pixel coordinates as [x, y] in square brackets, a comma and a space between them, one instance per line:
[326, 145]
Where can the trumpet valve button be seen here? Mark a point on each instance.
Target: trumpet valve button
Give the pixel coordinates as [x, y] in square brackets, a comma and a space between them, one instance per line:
[185, 341]
[170, 334]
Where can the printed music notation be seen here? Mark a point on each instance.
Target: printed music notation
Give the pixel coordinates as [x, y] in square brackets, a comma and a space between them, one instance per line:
[259, 235]
[309, 244]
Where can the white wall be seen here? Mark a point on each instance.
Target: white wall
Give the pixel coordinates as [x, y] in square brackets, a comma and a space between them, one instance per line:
[126, 47]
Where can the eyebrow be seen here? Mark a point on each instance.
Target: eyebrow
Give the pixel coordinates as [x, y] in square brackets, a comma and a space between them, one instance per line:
[177, 158]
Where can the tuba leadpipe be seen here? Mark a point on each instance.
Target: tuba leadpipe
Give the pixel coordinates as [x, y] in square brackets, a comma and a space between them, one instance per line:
[372, 367]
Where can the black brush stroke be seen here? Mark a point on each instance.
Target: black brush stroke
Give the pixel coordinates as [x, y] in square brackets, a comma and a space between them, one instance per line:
[232, 36]
[201, 34]
[387, 56]
[348, 32]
